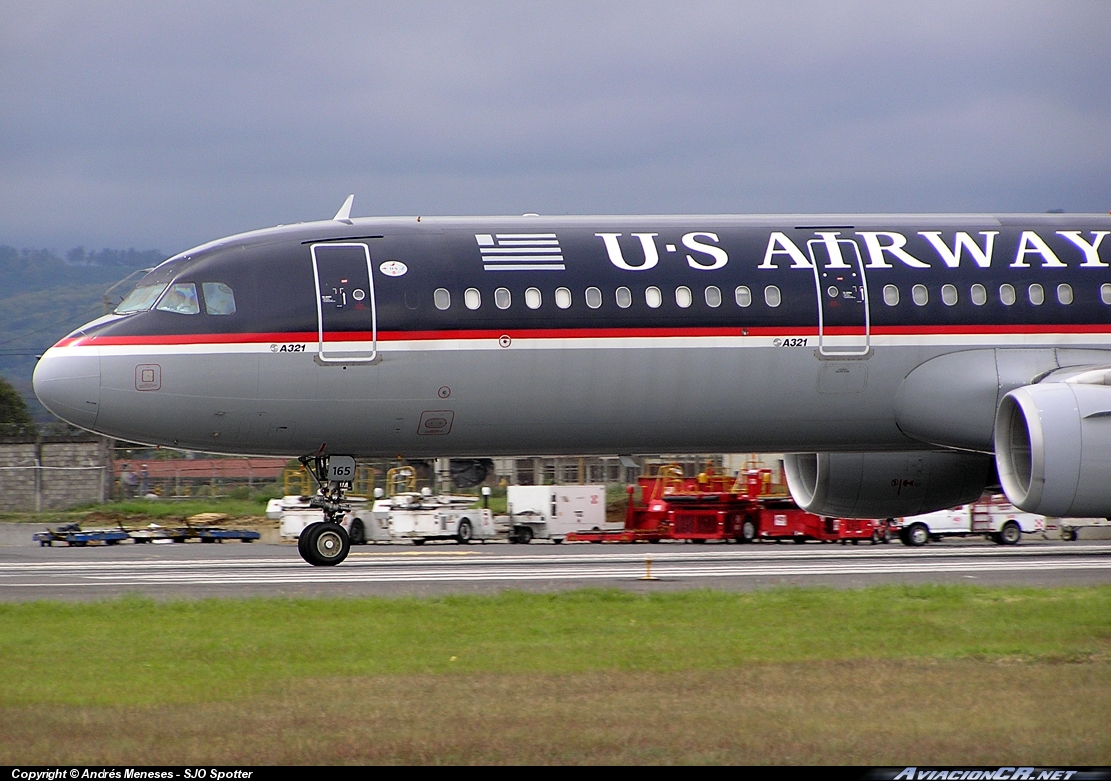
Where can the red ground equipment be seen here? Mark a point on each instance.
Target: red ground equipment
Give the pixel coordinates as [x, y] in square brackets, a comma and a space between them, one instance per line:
[716, 507]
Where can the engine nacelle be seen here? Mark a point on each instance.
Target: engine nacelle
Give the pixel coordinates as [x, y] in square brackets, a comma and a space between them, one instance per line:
[1053, 449]
[885, 485]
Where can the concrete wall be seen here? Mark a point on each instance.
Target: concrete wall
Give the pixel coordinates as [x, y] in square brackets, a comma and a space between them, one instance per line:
[53, 473]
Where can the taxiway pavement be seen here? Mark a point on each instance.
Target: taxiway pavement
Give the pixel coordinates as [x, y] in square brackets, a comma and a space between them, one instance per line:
[195, 570]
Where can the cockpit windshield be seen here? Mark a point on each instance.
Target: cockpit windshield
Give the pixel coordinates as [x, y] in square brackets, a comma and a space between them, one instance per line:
[150, 287]
[140, 299]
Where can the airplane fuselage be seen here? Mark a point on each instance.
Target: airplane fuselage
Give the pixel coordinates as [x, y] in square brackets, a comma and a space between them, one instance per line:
[515, 335]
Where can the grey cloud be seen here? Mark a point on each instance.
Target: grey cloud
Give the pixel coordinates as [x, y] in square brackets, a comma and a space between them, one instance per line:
[169, 124]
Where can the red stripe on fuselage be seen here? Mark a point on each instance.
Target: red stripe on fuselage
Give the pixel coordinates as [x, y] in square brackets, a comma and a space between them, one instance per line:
[579, 333]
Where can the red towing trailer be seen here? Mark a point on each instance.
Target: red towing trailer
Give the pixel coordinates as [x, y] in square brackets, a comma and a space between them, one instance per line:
[716, 507]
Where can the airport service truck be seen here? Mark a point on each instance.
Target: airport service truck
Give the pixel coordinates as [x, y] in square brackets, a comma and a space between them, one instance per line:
[554, 511]
[294, 513]
[992, 517]
[421, 516]
[405, 516]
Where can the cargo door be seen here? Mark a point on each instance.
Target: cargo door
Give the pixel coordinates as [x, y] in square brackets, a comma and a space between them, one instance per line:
[844, 323]
[346, 317]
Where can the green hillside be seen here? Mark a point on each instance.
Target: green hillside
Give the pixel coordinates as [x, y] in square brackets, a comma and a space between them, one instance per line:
[44, 296]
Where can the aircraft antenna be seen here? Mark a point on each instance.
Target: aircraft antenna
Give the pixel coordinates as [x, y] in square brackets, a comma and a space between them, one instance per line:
[344, 213]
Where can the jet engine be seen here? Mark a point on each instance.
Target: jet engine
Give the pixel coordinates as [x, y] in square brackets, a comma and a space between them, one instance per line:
[1053, 446]
[467, 473]
[885, 485]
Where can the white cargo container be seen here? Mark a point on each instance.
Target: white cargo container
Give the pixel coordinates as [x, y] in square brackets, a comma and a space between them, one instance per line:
[554, 511]
[992, 517]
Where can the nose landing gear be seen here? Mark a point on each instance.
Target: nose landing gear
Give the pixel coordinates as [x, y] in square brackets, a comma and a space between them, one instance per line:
[325, 543]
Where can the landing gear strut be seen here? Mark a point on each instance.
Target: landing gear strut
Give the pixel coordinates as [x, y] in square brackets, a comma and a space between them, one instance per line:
[325, 543]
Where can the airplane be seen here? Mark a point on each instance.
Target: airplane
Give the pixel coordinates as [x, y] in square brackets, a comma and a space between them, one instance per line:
[903, 362]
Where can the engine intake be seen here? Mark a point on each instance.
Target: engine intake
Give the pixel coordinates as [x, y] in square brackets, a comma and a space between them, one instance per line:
[1053, 449]
[885, 485]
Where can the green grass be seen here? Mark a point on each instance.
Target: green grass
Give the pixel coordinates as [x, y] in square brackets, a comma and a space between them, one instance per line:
[870, 712]
[925, 675]
[135, 650]
[161, 508]
[142, 510]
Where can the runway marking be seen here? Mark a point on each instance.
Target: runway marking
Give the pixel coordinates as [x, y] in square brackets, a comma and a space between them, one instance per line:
[748, 554]
[535, 573]
[417, 553]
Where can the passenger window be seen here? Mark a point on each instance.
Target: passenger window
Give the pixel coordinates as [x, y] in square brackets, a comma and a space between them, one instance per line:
[624, 297]
[683, 297]
[593, 297]
[949, 295]
[1064, 294]
[743, 296]
[653, 297]
[919, 295]
[532, 298]
[218, 298]
[1104, 293]
[472, 299]
[713, 297]
[890, 295]
[772, 296]
[442, 298]
[1007, 295]
[181, 298]
[563, 298]
[502, 298]
[979, 294]
[1036, 294]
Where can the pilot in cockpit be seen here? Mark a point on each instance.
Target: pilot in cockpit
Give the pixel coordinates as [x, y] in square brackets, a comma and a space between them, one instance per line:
[180, 298]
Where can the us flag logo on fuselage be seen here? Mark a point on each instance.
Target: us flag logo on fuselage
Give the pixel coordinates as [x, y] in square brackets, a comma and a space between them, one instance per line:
[520, 251]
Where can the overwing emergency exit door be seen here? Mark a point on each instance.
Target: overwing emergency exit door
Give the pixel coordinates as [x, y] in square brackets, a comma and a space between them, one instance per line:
[844, 322]
[346, 318]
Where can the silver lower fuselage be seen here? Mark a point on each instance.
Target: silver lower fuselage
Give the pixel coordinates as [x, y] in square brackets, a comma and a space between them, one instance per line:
[480, 396]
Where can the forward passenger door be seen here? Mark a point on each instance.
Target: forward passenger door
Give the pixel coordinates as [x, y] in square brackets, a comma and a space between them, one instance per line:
[346, 315]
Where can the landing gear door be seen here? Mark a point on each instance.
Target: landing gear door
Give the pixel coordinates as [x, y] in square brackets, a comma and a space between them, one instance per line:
[346, 318]
[844, 322]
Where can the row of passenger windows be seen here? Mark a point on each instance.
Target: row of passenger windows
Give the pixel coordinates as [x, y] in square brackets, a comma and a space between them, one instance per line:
[979, 295]
[592, 297]
[773, 297]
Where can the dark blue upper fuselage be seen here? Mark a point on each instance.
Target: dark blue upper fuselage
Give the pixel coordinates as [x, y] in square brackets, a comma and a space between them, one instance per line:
[707, 271]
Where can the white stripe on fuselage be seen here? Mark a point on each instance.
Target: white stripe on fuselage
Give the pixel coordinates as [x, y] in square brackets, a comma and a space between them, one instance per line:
[955, 341]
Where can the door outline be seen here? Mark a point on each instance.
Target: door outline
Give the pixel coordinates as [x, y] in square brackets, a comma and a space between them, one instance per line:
[320, 356]
[821, 301]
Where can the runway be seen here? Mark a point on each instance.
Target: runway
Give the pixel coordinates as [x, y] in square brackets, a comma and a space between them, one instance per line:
[194, 570]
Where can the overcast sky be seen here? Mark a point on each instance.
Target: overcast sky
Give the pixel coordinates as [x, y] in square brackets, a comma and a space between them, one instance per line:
[163, 125]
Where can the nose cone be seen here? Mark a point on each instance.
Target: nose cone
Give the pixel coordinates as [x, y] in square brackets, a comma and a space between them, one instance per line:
[68, 384]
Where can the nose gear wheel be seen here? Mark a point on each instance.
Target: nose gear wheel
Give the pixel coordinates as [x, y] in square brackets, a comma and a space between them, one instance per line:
[325, 543]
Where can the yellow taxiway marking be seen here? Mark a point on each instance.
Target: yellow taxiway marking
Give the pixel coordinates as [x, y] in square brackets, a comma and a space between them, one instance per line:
[422, 553]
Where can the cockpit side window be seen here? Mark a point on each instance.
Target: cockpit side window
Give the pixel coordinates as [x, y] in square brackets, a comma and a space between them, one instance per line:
[218, 298]
[181, 299]
[140, 299]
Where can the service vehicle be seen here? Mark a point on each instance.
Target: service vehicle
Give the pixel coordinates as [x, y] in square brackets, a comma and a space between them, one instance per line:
[419, 517]
[554, 511]
[992, 517]
[294, 513]
[1069, 529]
[746, 508]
